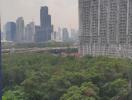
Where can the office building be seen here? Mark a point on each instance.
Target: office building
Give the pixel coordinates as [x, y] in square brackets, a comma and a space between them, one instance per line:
[59, 32]
[65, 35]
[29, 32]
[45, 21]
[54, 36]
[20, 32]
[41, 35]
[74, 35]
[10, 30]
[57, 35]
[37, 37]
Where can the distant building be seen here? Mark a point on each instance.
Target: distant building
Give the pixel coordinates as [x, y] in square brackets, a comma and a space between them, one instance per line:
[20, 33]
[46, 27]
[10, 30]
[56, 36]
[37, 37]
[59, 34]
[29, 32]
[41, 34]
[65, 35]
[2, 35]
[45, 18]
[74, 35]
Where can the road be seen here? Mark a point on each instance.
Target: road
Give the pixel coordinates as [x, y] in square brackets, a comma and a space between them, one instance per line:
[24, 50]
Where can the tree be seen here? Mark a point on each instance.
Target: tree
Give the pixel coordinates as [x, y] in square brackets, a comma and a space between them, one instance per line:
[117, 90]
[87, 91]
[17, 94]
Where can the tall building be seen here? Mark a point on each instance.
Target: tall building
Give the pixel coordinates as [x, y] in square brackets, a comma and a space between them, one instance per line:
[20, 32]
[59, 34]
[29, 32]
[56, 36]
[2, 35]
[65, 35]
[46, 27]
[45, 18]
[10, 30]
[105, 27]
[74, 35]
[38, 34]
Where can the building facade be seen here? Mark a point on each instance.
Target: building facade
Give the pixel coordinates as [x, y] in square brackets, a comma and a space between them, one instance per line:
[74, 35]
[65, 35]
[38, 34]
[57, 35]
[46, 26]
[10, 30]
[30, 32]
[105, 27]
[20, 30]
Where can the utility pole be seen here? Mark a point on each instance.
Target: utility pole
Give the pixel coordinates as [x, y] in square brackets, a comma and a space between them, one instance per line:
[0, 65]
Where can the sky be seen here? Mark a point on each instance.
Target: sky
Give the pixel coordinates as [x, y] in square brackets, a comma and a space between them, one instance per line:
[64, 12]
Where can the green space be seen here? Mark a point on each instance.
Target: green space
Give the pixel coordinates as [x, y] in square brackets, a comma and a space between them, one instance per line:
[40, 76]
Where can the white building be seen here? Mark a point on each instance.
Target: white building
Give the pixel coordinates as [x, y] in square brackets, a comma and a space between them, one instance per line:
[57, 35]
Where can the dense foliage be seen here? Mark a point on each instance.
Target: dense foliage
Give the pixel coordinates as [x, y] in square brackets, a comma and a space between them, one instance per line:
[38, 76]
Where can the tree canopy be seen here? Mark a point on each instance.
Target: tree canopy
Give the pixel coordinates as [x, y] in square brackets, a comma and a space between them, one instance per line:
[41, 76]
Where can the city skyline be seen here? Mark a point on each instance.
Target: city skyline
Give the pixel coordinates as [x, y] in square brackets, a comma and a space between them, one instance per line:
[25, 33]
[66, 17]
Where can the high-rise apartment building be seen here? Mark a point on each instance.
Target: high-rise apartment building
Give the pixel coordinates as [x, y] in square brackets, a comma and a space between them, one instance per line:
[105, 27]
[10, 30]
[20, 30]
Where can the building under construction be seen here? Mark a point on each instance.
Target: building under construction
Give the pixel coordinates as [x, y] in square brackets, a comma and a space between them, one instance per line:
[105, 27]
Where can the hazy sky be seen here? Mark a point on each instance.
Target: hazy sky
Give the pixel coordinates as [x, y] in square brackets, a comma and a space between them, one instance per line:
[64, 12]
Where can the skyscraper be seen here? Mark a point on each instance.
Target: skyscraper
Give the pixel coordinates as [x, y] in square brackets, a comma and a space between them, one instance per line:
[65, 35]
[2, 35]
[29, 32]
[38, 34]
[54, 36]
[57, 36]
[46, 27]
[74, 35]
[20, 36]
[10, 30]
[105, 27]
[45, 18]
